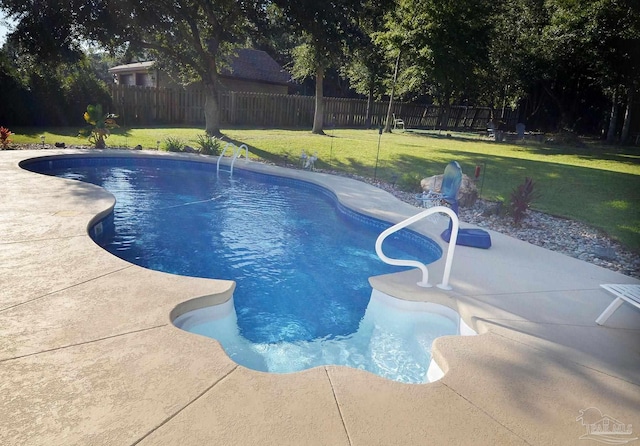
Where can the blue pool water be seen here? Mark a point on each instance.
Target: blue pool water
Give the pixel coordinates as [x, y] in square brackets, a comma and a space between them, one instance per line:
[301, 262]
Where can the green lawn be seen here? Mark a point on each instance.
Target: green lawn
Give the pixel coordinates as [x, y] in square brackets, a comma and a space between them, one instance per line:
[596, 184]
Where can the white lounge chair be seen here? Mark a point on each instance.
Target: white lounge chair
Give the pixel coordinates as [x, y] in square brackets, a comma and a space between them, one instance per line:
[397, 122]
[629, 293]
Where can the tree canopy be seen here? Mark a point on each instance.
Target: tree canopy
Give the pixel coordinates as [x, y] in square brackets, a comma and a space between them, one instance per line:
[326, 28]
[186, 37]
[564, 64]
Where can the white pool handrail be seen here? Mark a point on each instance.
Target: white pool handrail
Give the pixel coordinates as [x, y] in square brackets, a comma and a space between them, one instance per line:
[224, 150]
[246, 152]
[237, 154]
[414, 263]
[237, 151]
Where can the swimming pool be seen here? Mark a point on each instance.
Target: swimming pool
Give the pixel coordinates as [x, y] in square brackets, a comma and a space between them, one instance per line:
[301, 262]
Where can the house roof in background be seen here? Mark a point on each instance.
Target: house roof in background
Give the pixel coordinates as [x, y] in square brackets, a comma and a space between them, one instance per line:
[247, 64]
[132, 67]
[256, 65]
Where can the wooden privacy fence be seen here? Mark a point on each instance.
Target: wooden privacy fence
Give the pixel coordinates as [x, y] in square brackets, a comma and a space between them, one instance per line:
[146, 105]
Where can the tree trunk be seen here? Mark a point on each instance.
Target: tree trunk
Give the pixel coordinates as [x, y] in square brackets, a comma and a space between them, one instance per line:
[367, 120]
[212, 112]
[446, 112]
[387, 126]
[613, 121]
[560, 126]
[475, 116]
[624, 137]
[504, 101]
[318, 117]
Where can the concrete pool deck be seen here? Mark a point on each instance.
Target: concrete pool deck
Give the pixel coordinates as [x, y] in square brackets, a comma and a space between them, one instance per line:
[88, 354]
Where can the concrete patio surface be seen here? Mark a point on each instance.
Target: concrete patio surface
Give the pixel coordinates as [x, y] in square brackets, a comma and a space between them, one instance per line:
[89, 356]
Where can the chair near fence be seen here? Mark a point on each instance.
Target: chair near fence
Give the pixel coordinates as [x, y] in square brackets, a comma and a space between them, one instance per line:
[397, 122]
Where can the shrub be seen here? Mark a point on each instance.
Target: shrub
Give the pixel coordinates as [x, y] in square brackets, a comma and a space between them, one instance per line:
[565, 138]
[410, 182]
[5, 137]
[209, 145]
[172, 144]
[521, 199]
[100, 125]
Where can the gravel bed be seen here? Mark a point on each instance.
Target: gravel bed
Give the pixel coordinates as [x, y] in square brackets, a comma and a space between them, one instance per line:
[569, 237]
[559, 234]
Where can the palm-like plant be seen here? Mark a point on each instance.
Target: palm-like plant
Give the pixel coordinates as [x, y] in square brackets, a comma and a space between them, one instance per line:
[100, 125]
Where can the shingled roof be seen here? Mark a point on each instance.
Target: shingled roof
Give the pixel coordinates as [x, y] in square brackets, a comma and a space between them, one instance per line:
[256, 65]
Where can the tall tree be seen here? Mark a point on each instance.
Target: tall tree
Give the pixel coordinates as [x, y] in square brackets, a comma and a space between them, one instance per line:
[445, 43]
[367, 73]
[309, 62]
[47, 93]
[326, 27]
[583, 52]
[366, 65]
[513, 59]
[188, 36]
[394, 41]
[606, 36]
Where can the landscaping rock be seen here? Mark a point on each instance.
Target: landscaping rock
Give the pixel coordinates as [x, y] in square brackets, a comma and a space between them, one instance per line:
[604, 253]
[492, 209]
[467, 194]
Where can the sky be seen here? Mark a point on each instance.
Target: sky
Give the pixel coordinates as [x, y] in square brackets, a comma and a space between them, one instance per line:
[6, 27]
[3, 27]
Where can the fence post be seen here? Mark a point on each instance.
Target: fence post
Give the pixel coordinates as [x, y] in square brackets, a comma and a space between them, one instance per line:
[232, 107]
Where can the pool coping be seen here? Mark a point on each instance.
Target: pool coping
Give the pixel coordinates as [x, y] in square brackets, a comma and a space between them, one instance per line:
[127, 376]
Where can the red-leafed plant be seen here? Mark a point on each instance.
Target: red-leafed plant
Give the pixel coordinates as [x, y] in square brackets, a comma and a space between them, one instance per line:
[5, 137]
[521, 199]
